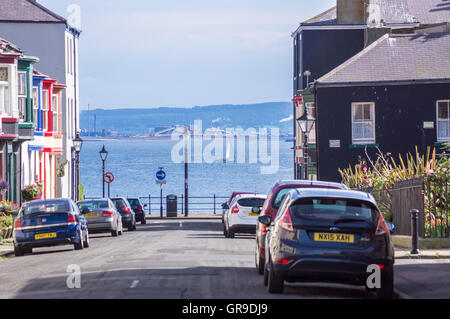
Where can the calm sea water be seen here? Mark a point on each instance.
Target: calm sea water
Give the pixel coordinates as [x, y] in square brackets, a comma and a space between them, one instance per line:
[134, 164]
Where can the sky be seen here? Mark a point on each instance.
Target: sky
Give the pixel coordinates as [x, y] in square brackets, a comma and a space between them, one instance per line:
[184, 53]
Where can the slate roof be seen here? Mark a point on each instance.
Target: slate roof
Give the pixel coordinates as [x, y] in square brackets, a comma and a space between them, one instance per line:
[9, 48]
[397, 12]
[396, 58]
[27, 11]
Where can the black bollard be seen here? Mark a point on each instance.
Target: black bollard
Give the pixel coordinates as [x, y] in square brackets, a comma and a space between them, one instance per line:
[415, 231]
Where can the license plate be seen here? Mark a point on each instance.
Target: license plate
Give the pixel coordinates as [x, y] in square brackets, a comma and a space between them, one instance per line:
[253, 214]
[45, 236]
[336, 238]
[91, 215]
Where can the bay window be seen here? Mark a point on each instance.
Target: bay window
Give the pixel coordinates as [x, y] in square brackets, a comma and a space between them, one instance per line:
[45, 104]
[5, 101]
[35, 106]
[23, 87]
[55, 108]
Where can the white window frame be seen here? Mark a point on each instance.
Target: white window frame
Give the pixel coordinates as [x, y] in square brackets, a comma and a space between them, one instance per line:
[55, 113]
[447, 138]
[45, 109]
[7, 110]
[35, 104]
[372, 139]
[22, 96]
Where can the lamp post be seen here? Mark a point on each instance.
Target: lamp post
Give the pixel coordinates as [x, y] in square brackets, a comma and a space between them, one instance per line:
[306, 122]
[77, 144]
[186, 184]
[103, 156]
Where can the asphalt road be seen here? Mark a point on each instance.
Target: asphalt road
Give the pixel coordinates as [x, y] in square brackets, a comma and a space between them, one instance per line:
[165, 259]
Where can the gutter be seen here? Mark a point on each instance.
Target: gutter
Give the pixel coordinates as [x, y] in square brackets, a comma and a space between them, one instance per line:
[380, 83]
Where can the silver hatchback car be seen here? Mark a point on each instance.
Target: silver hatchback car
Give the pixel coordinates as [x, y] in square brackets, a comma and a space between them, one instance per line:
[102, 216]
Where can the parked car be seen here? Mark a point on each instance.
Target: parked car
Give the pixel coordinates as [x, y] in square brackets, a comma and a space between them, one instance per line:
[52, 222]
[272, 205]
[227, 204]
[128, 215]
[240, 217]
[102, 216]
[138, 209]
[330, 236]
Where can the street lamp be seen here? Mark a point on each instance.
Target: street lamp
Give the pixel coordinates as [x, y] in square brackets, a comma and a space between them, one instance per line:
[77, 144]
[306, 123]
[103, 156]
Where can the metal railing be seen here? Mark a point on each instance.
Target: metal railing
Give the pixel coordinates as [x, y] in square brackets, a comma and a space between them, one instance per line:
[196, 204]
[436, 204]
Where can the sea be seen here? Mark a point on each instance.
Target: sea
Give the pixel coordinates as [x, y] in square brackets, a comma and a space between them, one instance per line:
[135, 162]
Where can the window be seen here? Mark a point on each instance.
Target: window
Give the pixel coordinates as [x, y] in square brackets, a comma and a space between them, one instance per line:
[311, 108]
[35, 105]
[443, 120]
[45, 96]
[363, 123]
[55, 108]
[23, 87]
[4, 90]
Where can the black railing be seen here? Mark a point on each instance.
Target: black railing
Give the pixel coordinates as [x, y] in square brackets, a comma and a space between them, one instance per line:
[437, 208]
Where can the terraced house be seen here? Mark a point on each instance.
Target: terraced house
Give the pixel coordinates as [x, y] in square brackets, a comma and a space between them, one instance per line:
[360, 38]
[43, 33]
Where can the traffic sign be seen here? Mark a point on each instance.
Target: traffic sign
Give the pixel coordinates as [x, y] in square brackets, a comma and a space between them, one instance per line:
[161, 175]
[161, 182]
[109, 177]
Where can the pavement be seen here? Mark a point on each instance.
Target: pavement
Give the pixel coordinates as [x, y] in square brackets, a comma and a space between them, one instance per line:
[188, 259]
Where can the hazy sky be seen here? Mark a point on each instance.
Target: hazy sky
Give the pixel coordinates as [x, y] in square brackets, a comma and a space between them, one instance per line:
[150, 53]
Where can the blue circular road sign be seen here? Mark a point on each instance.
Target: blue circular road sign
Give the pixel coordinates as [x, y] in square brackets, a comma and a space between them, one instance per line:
[161, 175]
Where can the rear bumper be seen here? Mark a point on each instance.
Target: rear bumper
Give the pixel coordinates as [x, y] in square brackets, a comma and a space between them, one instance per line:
[247, 229]
[65, 236]
[127, 219]
[98, 227]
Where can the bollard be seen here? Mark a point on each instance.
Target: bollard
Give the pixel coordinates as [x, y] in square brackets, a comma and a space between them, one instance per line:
[415, 231]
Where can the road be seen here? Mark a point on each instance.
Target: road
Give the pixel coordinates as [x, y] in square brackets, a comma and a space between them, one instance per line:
[165, 259]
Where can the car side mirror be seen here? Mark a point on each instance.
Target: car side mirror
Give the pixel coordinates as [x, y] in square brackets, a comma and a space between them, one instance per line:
[256, 210]
[265, 220]
[225, 206]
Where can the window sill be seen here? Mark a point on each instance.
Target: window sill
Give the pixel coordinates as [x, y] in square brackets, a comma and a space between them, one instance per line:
[368, 145]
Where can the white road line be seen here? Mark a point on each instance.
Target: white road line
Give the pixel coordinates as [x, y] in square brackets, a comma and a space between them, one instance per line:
[134, 284]
[181, 224]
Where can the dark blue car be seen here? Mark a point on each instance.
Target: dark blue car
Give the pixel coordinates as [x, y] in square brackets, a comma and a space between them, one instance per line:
[52, 222]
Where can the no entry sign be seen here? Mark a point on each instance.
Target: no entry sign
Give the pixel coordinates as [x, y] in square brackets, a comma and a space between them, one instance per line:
[109, 178]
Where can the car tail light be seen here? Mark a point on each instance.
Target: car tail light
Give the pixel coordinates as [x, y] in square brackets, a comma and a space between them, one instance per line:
[71, 219]
[286, 221]
[382, 227]
[263, 229]
[125, 209]
[283, 261]
[18, 224]
[140, 207]
[235, 209]
[107, 213]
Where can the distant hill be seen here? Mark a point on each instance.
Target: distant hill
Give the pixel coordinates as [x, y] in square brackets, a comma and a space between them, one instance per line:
[139, 121]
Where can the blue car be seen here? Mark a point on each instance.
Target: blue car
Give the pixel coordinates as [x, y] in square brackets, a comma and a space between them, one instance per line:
[43, 223]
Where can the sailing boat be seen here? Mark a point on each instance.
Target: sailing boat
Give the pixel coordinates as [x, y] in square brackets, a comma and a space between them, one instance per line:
[228, 153]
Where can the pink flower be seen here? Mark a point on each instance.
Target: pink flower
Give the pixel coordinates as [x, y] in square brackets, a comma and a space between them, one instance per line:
[430, 172]
[444, 169]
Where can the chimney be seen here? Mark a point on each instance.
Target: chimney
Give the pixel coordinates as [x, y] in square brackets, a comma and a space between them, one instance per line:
[351, 11]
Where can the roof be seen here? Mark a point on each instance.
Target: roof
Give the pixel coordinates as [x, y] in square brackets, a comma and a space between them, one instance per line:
[396, 58]
[308, 183]
[396, 12]
[7, 47]
[27, 11]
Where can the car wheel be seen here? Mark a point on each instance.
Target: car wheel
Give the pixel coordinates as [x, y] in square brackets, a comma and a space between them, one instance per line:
[115, 232]
[79, 245]
[386, 291]
[121, 230]
[86, 240]
[275, 283]
[259, 261]
[230, 234]
[134, 225]
[266, 275]
[225, 231]
[130, 227]
[18, 251]
[144, 221]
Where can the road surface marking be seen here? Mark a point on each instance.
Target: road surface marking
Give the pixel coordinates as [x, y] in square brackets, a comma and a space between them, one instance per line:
[134, 284]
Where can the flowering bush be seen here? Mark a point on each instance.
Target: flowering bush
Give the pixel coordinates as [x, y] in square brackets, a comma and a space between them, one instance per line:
[32, 192]
[4, 185]
[6, 207]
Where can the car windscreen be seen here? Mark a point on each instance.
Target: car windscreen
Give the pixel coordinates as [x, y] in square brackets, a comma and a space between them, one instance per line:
[334, 209]
[279, 197]
[91, 205]
[251, 202]
[50, 206]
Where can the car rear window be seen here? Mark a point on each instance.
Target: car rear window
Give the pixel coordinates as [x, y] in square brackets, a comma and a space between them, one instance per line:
[119, 203]
[97, 204]
[333, 209]
[45, 207]
[133, 202]
[251, 202]
[279, 197]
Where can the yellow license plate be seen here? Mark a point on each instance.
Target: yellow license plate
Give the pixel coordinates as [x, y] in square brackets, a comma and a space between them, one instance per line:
[336, 238]
[253, 214]
[45, 236]
[91, 215]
